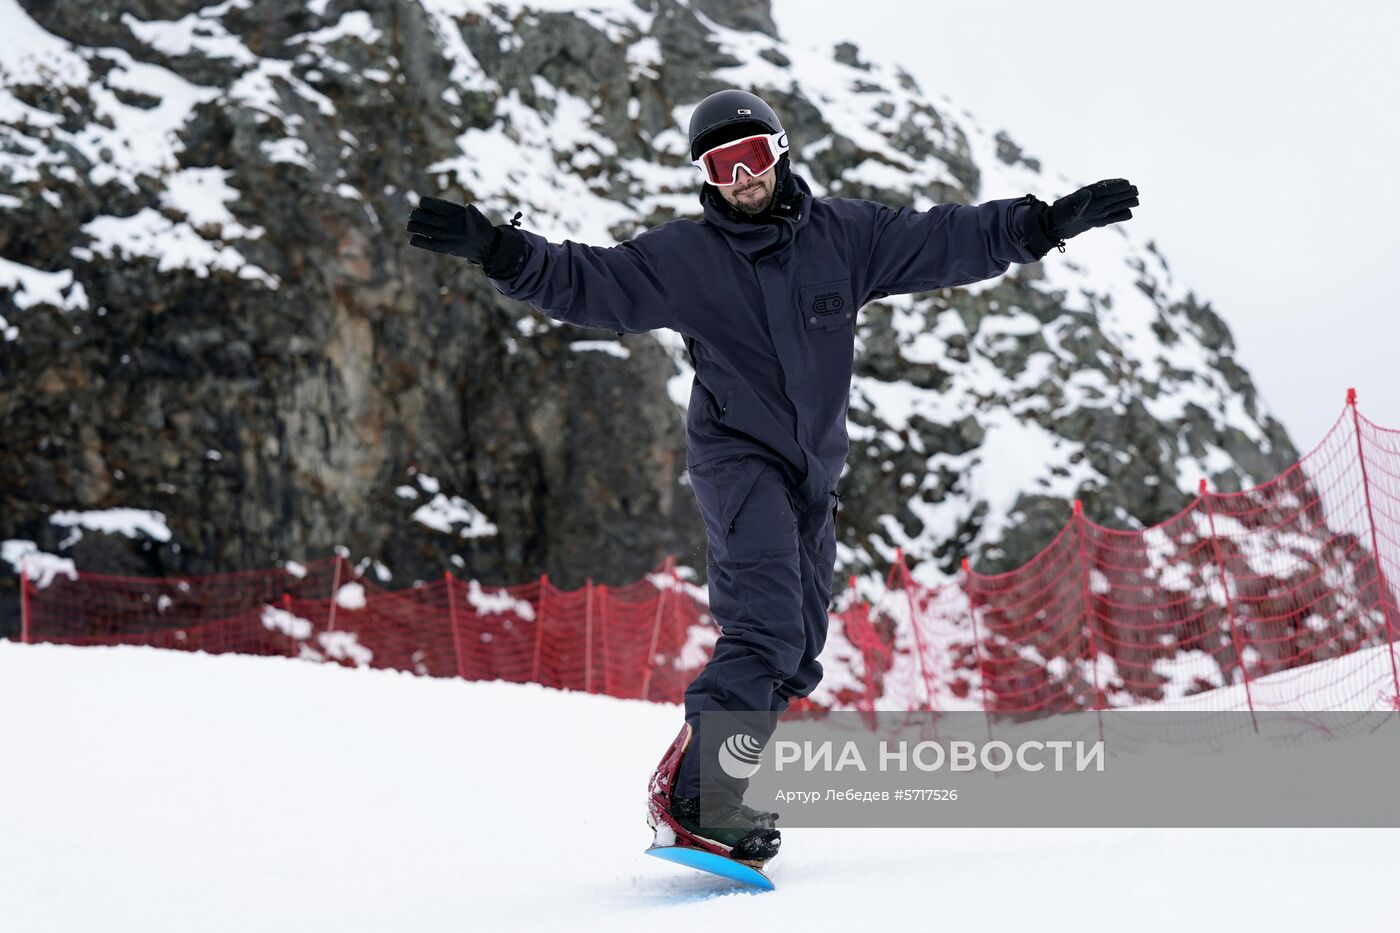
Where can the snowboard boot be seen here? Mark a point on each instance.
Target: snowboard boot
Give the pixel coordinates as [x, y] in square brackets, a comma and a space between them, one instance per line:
[730, 825]
[676, 819]
[765, 818]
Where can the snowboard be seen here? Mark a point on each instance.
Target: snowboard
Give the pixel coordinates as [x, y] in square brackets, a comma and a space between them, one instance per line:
[673, 843]
[714, 864]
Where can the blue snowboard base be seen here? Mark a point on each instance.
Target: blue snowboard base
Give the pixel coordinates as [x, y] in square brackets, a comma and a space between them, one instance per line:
[714, 864]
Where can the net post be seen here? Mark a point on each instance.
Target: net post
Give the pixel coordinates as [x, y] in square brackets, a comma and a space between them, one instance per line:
[668, 568]
[964, 583]
[291, 638]
[539, 631]
[903, 570]
[26, 612]
[867, 702]
[1229, 603]
[1381, 583]
[335, 593]
[588, 636]
[452, 621]
[604, 621]
[1079, 536]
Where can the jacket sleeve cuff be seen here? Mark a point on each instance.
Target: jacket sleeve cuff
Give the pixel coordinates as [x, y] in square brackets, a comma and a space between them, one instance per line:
[507, 253]
[1034, 237]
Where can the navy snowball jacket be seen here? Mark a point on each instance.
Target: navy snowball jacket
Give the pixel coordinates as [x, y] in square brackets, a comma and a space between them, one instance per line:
[768, 306]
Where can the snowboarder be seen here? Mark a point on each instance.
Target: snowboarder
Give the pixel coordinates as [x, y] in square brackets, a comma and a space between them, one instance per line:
[765, 289]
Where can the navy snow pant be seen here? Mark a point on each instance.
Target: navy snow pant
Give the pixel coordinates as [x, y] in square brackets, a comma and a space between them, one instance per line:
[770, 566]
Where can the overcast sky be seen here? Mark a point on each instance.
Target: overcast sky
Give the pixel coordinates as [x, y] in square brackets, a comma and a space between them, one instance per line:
[1264, 137]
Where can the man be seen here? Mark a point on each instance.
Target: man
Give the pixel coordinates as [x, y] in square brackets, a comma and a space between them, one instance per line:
[764, 289]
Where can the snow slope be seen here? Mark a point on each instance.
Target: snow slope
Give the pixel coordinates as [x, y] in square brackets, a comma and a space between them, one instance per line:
[143, 790]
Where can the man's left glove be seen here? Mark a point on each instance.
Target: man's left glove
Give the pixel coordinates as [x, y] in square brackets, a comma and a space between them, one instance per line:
[458, 230]
[1098, 205]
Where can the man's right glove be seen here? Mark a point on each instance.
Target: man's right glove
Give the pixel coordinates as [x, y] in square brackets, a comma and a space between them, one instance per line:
[457, 230]
[1098, 205]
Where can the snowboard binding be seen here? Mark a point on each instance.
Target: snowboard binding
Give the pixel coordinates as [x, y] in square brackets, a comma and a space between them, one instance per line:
[751, 845]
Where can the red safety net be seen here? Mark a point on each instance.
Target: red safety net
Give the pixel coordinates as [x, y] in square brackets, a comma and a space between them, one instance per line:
[1226, 605]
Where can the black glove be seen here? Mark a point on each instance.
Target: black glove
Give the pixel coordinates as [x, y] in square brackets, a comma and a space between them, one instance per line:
[444, 227]
[1097, 205]
[464, 231]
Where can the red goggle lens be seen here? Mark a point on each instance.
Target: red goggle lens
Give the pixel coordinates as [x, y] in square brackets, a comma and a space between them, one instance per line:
[755, 154]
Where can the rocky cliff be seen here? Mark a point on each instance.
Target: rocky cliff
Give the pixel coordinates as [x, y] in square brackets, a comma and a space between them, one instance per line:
[210, 313]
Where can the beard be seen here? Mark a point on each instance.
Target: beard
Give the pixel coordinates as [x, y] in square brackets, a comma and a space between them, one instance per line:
[753, 208]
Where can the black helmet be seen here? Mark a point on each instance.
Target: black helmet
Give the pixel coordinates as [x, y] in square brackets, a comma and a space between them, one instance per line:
[728, 115]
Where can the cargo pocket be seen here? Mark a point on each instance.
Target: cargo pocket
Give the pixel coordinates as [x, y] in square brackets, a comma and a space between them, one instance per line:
[738, 481]
[721, 488]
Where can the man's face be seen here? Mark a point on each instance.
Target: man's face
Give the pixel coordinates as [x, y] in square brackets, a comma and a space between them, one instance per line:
[751, 194]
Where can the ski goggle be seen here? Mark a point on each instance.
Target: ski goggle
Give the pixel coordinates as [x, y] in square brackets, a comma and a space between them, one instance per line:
[757, 154]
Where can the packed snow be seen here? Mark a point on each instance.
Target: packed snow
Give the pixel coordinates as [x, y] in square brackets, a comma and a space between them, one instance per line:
[159, 791]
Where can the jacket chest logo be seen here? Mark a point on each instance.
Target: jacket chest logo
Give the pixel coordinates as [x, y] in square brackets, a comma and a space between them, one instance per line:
[826, 305]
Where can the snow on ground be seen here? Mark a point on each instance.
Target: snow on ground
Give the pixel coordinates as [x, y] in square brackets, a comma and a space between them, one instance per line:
[145, 790]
